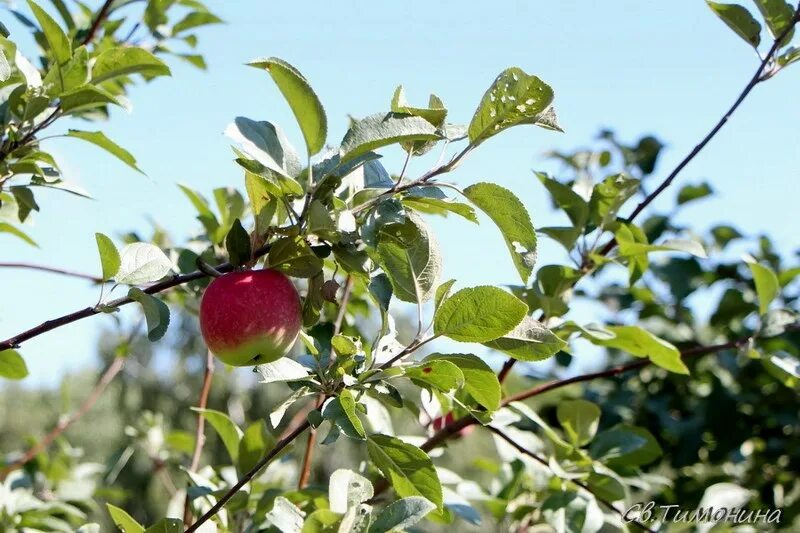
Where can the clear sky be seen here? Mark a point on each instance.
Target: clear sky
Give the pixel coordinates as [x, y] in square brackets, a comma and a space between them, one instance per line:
[667, 68]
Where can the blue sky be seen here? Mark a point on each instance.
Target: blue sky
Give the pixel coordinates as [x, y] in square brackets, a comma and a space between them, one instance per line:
[667, 68]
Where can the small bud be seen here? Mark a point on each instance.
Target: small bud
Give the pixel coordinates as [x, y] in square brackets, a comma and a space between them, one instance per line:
[329, 290]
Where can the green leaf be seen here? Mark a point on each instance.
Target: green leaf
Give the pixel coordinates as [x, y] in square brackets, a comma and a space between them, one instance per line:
[409, 255]
[142, 262]
[237, 243]
[60, 45]
[8, 228]
[322, 521]
[123, 520]
[402, 514]
[513, 220]
[566, 199]
[739, 20]
[408, 469]
[376, 131]
[437, 373]
[608, 196]
[98, 138]
[5, 67]
[344, 346]
[12, 365]
[86, 97]
[689, 193]
[514, 98]
[255, 442]
[225, 428]
[435, 113]
[26, 202]
[778, 14]
[579, 419]
[156, 313]
[342, 412]
[439, 206]
[480, 381]
[478, 314]
[195, 19]
[641, 343]
[166, 525]
[293, 256]
[122, 61]
[302, 99]
[767, 286]
[267, 144]
[625, 445]
[442, 292]
[528, 341]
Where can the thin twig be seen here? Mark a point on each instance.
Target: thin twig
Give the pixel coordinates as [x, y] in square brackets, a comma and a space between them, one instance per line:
[305, 471]
[111, 372]
[281, 444]
[348, 289]
[200, 435]
[101, 15]
[54, 270]
[757, 77]
[86, 312]
[581, 484]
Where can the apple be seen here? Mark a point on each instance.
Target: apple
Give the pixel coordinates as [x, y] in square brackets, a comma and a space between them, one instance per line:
[440, 422]
[250, 317]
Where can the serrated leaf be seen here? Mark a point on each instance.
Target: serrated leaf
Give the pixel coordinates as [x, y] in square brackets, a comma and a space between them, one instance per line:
[60, 45]
[12, 365]
[409, 255]
[123, 520]
[294, 257]
[342, 412]
[437, 373]
[402, 514]
[302, 99]
[141, 262]
[480, 381]
[98, 138]
[513, 220]
[514, 98]
[478, 314]
[156, 313]
[227, 430]
[739, 20]
[376, 131]
[528, 341]
[86, 97]
[284, 369]
[778, 14]
[123, 61]
[408, 469]
[267, 144]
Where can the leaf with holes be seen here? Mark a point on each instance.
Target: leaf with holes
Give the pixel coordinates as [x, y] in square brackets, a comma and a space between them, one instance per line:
[513, 220]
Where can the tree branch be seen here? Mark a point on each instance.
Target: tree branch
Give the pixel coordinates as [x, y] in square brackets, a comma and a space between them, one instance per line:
[54, 270]
[111, 372]
[578, 482]
[101, 15]
[281, 444]
[86, 312]
[757, 77]
[200, 436]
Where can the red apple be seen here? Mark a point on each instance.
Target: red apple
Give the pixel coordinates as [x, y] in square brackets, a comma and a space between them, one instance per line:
[440, 422]
[250, 317]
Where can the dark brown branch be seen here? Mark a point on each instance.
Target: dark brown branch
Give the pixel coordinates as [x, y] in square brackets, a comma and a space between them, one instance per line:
[98, 20]
[281, 444]
[578, 482]
[111, 372]
[757, 77]
[54, 270]
[200, 435]
[86, 312]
